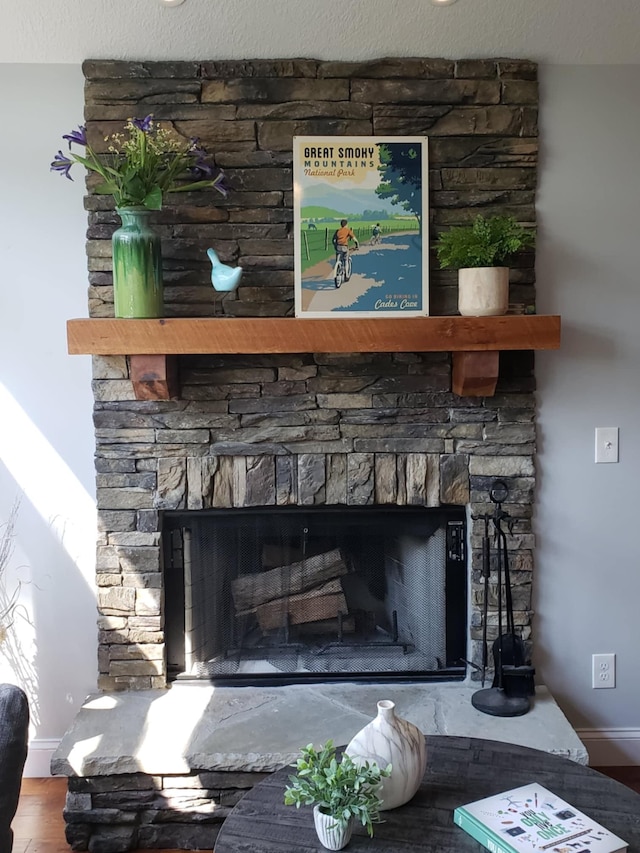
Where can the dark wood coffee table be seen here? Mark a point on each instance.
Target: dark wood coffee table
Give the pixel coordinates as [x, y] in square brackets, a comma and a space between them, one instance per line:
[459, 770]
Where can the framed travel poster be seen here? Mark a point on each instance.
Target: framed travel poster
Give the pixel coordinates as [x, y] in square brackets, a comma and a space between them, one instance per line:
[361, 226]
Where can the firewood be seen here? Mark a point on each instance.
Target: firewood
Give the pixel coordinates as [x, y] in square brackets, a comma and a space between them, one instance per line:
[250, 591]
[305, 607]
[327, 627]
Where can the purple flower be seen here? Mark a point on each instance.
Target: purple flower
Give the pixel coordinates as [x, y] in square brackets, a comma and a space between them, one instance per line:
[196, 150]
[143, 124]
[220, 184]
[78, 136]
[202, 170]
[61, 163]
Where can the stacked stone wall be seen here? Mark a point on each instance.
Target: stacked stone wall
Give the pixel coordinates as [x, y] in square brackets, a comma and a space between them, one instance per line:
[390, 433]
[480, 117]
[137, 810]
[313, 428]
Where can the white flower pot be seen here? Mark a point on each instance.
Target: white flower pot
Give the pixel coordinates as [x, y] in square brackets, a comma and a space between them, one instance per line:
[483, 291]
[331, 834]
[391, 740]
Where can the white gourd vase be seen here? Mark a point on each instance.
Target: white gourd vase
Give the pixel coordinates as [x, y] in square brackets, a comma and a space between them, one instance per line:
[391, 740]
[331, 834]
[483, 291]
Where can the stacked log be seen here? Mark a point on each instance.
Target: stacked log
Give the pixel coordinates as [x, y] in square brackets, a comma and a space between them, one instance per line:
[303, 592]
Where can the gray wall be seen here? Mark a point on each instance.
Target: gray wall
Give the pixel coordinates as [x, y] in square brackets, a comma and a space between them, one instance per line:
[573, 31]
[588, 584]
[46, 435]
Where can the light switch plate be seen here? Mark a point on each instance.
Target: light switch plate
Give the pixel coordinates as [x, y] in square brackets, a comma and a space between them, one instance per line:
[606, 444]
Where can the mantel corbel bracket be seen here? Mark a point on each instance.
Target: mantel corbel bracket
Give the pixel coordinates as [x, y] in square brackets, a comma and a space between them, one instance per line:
[154, 377]
[475, 374]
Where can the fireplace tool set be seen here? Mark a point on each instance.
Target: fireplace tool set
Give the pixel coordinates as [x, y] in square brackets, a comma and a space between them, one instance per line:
[513, 682]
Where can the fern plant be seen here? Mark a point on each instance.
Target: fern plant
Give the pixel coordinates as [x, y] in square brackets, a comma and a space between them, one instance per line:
[342, 789]
[485, 243]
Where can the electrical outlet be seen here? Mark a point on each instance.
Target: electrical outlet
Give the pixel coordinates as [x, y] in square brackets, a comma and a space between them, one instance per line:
[603, 671]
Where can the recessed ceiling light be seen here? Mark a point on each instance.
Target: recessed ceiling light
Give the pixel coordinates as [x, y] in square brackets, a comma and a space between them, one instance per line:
[172, 2]
[442, 2]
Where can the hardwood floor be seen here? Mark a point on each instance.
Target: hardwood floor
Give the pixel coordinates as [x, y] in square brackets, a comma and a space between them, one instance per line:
[39, 828]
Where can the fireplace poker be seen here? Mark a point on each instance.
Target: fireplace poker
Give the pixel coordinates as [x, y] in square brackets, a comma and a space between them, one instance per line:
[495, 700]
[486, 571]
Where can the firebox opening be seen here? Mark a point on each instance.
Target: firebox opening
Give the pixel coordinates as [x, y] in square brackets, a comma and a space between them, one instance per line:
[302, 594]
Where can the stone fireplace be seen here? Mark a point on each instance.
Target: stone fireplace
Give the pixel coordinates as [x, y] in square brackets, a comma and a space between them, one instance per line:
[282, 434]
[309, 430]
[383, 445]
[292, 595]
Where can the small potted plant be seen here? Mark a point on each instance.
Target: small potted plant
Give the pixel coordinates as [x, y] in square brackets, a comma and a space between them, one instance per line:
[340, 791]
[479, 252]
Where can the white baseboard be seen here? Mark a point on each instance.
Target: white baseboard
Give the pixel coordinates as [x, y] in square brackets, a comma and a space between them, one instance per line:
[611, 747]
[39, 757]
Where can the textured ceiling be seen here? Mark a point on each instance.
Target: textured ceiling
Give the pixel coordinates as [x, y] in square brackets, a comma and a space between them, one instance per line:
[549, 31]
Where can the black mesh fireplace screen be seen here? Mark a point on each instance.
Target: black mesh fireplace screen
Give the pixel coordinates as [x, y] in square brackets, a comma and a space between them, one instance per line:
[284, 595]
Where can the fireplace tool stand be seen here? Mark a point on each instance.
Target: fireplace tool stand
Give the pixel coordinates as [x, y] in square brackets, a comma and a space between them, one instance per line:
[513, 678]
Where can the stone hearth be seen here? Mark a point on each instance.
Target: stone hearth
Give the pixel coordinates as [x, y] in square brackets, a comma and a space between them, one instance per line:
[132, 785]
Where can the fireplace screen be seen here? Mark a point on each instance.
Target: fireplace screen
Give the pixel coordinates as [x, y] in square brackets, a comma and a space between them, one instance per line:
[300, 594]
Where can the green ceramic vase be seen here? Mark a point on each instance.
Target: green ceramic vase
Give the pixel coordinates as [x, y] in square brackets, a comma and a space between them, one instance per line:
[137, 266]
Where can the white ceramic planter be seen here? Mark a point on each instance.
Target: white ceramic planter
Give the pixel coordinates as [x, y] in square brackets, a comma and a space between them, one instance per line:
[391, 740]
[483, 291]
[331, 834]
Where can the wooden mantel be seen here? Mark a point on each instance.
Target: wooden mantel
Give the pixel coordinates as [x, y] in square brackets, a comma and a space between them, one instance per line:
[474, 341]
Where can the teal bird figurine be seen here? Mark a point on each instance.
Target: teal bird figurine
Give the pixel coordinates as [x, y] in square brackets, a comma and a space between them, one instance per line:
[223, 277]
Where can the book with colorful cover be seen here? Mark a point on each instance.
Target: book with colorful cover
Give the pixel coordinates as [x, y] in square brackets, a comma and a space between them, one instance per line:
[531, 819]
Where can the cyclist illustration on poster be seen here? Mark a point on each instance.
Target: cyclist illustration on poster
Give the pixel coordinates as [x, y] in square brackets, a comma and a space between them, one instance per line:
[360, 225]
